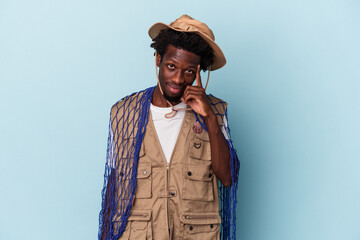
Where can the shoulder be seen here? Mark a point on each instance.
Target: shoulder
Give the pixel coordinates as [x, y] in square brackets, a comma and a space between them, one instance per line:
[218, 105]
[129, 102]
[125, 101]
[219, 108]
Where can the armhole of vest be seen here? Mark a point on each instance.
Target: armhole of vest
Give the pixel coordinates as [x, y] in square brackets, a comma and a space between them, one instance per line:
[219, 107]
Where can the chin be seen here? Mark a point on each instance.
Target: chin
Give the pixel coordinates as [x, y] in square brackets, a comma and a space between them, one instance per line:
[170, 98]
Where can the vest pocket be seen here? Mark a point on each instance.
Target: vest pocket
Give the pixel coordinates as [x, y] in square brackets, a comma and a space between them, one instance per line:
[144, 181]
[200, 147]
[197, 183]
[124, 153]
[200, 225]
[138, 226]
[143, 185]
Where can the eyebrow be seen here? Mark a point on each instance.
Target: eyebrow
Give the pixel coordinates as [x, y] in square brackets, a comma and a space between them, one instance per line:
[192, 66]
[174, 61]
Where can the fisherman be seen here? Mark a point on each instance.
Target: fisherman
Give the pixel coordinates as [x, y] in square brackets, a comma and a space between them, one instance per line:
[171, 170]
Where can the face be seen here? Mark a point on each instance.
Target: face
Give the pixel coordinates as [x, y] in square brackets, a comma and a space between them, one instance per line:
[177, 70]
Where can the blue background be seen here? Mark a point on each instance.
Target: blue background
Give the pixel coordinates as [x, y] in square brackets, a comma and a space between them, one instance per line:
[292, 84]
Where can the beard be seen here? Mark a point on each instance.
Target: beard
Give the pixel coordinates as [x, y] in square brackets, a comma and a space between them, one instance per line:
[172, 99]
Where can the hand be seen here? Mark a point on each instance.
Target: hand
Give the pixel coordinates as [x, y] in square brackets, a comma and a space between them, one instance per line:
[196, 98]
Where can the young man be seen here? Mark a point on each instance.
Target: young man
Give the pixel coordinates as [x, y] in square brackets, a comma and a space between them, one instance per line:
[169, 145]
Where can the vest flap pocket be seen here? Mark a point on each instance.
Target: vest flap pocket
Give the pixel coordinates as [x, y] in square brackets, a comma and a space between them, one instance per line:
[200, 218]
[201, 222]
[140, 215]
[144, 170]
[198, 173]
[198, 182]
[136, 215]
[200, 148]
[144, 181]
[203, 135]
[127, 148]
[140, 225]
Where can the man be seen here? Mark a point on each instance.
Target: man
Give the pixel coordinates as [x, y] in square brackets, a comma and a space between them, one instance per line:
[169, 145]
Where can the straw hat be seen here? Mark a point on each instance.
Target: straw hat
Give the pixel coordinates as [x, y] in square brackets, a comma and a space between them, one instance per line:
[186, 23]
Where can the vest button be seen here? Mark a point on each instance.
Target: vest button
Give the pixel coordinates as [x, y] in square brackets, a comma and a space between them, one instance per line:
[211, 226]
[191, 228]
[172, 194]
[144, 172]
[189, 173]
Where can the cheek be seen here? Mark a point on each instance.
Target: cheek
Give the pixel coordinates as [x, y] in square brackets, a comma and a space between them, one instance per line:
[190, 80]
[168, 75]
[165, 72]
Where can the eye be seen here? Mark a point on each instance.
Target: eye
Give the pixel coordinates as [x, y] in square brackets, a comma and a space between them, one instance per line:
[189, 71]
[171, 66]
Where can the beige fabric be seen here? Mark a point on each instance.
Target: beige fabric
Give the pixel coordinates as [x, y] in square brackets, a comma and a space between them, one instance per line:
[179, 200]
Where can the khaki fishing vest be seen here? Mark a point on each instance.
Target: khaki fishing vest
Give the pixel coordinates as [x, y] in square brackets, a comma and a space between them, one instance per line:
[178, 200]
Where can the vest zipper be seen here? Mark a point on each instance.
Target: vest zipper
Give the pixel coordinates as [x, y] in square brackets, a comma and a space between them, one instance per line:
[166, 200]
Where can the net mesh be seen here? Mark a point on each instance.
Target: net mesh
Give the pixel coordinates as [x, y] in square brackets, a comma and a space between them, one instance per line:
[127, 126]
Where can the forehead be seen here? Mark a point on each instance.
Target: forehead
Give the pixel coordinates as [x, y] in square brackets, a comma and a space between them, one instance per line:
[180, 55]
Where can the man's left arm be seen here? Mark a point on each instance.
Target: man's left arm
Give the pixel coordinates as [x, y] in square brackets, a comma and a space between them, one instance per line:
[220, 153]
[196, 98]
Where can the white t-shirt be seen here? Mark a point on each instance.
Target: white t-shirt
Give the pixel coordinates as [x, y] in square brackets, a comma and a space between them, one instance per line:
[168, 129]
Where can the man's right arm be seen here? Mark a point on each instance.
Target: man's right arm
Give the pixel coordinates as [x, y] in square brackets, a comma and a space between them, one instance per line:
[106, 214]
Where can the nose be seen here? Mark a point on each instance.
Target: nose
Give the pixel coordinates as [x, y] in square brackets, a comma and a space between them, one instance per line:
[179, 78]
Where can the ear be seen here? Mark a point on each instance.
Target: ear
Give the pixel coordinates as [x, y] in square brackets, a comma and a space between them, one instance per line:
[157, 59]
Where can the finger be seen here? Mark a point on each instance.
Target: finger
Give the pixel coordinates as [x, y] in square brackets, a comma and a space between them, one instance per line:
[192, 97]
[198, 78]
[194, 90]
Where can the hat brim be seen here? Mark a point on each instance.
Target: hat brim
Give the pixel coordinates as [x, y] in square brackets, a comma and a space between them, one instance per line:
[219, 59]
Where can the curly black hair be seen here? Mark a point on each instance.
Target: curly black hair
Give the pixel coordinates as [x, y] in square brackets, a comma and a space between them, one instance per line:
[188, 41]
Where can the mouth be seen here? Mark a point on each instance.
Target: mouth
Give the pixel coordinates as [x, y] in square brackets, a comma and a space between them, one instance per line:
[174, 89]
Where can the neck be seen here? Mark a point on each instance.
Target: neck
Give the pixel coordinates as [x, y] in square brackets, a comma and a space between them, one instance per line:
[159, 100]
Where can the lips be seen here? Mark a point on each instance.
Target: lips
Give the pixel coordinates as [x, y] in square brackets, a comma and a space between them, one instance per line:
[174, 89]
